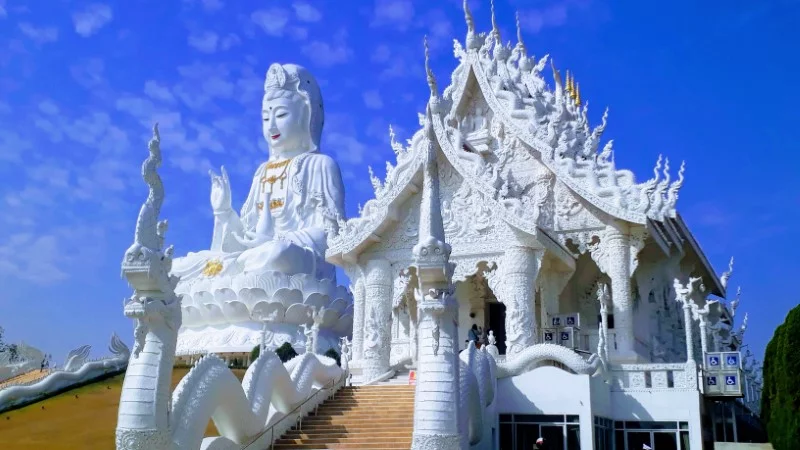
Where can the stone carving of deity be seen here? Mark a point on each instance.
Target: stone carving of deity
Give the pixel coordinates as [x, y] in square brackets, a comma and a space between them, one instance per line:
[295, 198]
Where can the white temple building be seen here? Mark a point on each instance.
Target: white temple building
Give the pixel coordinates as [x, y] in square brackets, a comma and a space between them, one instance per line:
[503, 201]
[601, 323]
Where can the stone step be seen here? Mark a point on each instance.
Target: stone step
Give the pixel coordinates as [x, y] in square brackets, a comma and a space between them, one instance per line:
[372, 440]
[349, 445]
[387, 419]
[401, 433]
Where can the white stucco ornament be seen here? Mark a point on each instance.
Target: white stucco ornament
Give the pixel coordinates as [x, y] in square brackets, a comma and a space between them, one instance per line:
[266, 263]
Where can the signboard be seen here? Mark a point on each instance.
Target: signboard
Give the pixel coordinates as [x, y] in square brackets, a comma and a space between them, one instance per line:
[412, 377]
[712, 384]
[722, 373]
[732, 384]
[566, 320]
[566, 337]
[731, 360]
[713, 361]
[549, 336]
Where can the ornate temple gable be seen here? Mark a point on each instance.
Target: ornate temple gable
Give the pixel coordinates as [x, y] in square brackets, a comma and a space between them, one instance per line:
[552, 125]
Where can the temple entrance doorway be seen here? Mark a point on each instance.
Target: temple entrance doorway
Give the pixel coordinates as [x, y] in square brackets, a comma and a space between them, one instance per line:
[496, 321]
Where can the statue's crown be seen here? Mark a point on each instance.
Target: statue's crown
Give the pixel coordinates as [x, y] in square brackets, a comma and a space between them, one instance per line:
[278, 77]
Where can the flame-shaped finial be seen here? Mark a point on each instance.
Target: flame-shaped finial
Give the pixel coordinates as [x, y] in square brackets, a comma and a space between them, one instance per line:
[557, 80]
[520, 43]
[578, 94]
[470, 21]
[428, 71]
[495, 28]
[568, 83]
[723, 279]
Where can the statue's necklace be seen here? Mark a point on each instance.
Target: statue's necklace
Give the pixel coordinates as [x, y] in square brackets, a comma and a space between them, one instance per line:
[275, 178]
[274, 203]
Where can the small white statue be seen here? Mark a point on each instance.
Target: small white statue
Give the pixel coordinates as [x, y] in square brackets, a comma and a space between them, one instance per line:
[491, 339]
[309, 338]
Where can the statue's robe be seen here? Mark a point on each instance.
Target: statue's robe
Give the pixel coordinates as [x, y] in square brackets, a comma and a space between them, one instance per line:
[314, 197]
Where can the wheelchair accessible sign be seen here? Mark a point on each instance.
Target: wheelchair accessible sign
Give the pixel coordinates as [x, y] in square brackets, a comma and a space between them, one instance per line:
[722, 374]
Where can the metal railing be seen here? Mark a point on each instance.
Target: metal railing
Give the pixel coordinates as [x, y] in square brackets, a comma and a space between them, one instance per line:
[329, 388]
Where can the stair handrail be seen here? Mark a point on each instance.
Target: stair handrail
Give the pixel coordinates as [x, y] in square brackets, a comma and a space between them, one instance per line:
[333, 385]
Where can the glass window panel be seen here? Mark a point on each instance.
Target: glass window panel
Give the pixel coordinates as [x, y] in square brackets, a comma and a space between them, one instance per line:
[619, 425]
[573, 437]
[608, 440]
[506, 436]
[553, 437]
[637, 439]
[619, 440]
[526, 436]
[665, 440]
[684, 440]
[573, 419]
[684, 425]
[505, 418]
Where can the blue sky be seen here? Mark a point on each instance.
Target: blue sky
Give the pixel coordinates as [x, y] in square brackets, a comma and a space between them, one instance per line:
[710, 82]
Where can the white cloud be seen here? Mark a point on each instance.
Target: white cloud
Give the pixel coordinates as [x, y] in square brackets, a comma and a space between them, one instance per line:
[396, 13]
[230, 41]
[272, 21]
[89, 73]
[372, 99]
[535, 20]
[157, 91]
[92, 18]
[382, 53]
[329, 53]
[41, 35]
[212, 5]
[305, 12]
[3, 12]
[205, 41]
[13, 145]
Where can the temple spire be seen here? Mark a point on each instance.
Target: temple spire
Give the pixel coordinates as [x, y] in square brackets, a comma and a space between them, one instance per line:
[520, 43]
[495, 28]
[428, 71]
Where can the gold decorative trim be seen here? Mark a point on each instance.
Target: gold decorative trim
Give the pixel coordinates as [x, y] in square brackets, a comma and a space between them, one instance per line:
[212, 268]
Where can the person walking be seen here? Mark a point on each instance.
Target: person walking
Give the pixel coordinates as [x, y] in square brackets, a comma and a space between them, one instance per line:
[473, 334]
[539, 445]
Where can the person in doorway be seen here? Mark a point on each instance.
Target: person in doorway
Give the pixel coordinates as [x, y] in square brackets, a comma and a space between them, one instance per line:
[473, 334]
[539, 445]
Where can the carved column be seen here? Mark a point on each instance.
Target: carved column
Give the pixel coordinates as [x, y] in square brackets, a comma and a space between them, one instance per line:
[378, 318]
[702, 316]
[612, 256]
[551, 283]
[687, 318]
[359, 303]
[513, 284]
[602, 341]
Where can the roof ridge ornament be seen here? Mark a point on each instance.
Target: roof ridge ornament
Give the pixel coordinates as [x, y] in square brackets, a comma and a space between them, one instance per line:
[723, 279]
[429, 73]
[472, 42]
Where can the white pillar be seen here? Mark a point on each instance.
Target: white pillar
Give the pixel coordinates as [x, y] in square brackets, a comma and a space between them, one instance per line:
[359, 299]
[378, 318]
[436, 402]
[513, 285]
[687, 318]
[612, 256]
[703, 316]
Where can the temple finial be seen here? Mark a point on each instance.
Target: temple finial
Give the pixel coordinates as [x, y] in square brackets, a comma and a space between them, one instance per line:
[428, 71]
[468, 17]
[578, 94]
[520, 43]
[495, 29]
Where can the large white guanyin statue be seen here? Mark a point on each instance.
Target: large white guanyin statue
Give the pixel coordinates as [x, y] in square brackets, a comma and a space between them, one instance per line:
[267, 263]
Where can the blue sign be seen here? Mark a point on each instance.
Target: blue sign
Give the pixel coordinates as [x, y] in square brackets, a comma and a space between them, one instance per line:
[570, 321]
[713, 361]
[564, 336]
[732, 360]
[556, 321]
[730, 380]
[711, 381]
[548, 336]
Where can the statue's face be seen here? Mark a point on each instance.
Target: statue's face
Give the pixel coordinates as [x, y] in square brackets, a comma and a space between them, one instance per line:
[285, 124]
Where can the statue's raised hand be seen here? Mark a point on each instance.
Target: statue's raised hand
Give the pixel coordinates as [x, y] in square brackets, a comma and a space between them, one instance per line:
[264, 228]
[220, 191]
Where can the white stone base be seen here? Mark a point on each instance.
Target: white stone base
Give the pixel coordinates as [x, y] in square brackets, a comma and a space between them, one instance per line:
[242, 337]
[435, 442]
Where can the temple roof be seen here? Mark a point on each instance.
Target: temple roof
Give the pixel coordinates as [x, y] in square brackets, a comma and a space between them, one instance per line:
[498, 119]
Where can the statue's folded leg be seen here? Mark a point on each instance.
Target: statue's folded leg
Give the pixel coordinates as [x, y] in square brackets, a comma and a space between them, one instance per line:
[278, 256]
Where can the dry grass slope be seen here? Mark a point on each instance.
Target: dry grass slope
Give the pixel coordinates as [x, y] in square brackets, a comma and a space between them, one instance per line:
[83, 418]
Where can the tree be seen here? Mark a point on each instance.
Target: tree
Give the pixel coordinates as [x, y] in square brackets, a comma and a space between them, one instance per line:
[286, 352]
[331, 353]
[780, 401]
[255, 352]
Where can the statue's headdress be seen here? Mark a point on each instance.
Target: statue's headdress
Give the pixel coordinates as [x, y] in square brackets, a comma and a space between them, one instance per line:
[294, 78]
